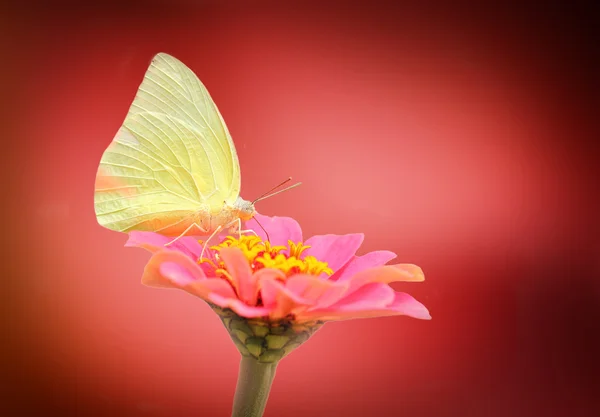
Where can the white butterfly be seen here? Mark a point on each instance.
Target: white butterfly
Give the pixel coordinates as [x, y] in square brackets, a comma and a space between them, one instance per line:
[172, 165]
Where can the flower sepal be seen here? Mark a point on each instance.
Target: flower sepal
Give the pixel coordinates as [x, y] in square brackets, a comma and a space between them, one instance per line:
[265, 340]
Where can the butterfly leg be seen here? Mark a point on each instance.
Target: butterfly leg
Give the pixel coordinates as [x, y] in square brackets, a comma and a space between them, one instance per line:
[219, 228]
[185, 232]
[208, 240]
[239, 227]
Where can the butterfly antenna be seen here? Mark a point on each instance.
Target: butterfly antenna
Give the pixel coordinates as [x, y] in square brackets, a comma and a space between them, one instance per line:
[261, 226]
[273, 189]
[271, 194]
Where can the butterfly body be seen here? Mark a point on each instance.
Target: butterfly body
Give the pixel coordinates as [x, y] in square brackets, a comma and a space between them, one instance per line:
[210, 222]
[172, 164]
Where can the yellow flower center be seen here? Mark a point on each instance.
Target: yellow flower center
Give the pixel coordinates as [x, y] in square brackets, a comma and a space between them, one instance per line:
[261, 254]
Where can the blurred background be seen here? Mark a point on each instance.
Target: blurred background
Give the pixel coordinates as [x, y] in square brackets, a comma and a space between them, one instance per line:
[464, 138]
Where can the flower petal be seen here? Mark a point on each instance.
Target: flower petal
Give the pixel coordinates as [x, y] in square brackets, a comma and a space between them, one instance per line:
[412, 273]
[194, 283]
[319, 291]
[179, 274]
[266, 273]
[374, 296]
[382, 274]
[206, 287]
[154, 277]
[238, 306]
[174, 270]
[154, 241]
[243, 280]
[385, 274]
[403, 305]
[406, 305]
[368, 296]
[359, 263]
[279, 299]
[336, 250]
[280, 229]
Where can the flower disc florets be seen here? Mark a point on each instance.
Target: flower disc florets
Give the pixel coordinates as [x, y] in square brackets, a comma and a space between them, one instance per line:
[261, 254]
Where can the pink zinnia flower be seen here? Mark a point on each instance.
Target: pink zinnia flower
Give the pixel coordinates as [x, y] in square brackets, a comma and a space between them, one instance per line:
[319, 280]
[282, 278]
[272, 295]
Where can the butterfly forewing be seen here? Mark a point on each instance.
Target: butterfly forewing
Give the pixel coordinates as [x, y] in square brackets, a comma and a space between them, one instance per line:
[172, 158]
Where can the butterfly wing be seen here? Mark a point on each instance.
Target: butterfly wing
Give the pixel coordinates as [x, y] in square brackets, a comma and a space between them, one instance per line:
[172, 158]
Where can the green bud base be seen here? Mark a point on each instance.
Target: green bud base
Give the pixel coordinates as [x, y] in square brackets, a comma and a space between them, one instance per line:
[265, 340]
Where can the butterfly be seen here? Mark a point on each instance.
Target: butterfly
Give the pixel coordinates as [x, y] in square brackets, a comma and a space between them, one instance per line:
[172, 165]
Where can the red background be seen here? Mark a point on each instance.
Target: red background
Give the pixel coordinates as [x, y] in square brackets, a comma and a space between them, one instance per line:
[459, 137]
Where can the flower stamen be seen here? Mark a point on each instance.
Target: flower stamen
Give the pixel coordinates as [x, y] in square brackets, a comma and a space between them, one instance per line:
[262, 254]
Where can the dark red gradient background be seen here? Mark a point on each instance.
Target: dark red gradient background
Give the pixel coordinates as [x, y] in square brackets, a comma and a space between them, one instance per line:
[460, 137]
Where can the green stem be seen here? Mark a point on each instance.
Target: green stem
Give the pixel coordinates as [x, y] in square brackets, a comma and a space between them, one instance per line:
[253, 386]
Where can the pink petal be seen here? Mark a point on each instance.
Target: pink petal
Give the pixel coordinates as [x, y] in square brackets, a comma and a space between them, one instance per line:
[406, 305]
[208, 269]
[267, 273]
[206, 287]
[403, 304]
[384, 274]
[238, 306]
[243, 281]
[336, 250]
[319, 291]
[153, 276]
[180, 274]
[370, 297]
[175, 270]
[154, 241]
[412, 273]
[279, 299]
[280, 229]
[358, 263]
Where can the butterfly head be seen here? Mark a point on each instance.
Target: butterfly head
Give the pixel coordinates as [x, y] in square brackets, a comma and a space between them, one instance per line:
[244, 208]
